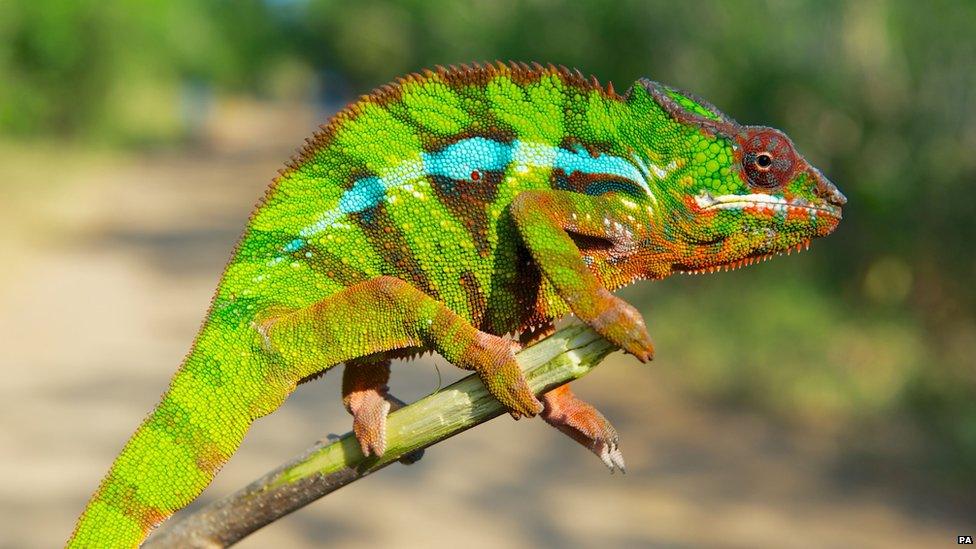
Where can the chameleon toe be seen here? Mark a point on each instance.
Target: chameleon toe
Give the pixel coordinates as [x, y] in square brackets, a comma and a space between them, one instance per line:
[369, 424]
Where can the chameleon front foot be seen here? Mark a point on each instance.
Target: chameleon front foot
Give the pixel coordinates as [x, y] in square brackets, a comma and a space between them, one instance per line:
[623, 326]
[584, 424]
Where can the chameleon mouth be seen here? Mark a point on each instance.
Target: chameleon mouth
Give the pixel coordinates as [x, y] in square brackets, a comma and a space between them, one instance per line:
[765, 202]
[748, 260]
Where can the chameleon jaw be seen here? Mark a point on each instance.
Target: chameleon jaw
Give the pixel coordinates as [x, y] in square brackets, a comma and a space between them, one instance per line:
[748, 260]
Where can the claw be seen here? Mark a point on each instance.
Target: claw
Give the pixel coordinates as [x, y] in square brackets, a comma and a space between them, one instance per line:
[524, 403]
[612, 458]
[364, 393]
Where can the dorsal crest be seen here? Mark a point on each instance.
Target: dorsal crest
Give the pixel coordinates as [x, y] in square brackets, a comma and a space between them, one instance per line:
[455, 77]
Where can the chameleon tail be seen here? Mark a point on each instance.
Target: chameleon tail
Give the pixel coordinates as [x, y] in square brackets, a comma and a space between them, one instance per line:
[199, 423]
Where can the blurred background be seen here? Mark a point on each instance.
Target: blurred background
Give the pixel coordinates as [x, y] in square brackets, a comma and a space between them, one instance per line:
[825, 399]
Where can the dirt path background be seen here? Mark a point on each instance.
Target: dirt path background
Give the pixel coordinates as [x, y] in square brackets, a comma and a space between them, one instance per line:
[109, 264]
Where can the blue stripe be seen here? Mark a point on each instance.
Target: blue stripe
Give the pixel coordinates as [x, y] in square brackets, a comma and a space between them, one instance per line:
[366, 193]
[458, 160]
[294, 245]
[581, 161]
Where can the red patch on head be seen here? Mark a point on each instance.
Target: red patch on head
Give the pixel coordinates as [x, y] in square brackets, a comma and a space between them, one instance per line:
[797, 214]
[767, 157]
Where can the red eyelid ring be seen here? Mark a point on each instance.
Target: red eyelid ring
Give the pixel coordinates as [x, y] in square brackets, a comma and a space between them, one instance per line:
[754, 141]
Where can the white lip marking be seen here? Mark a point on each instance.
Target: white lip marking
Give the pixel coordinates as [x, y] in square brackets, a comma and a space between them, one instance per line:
[706, 201]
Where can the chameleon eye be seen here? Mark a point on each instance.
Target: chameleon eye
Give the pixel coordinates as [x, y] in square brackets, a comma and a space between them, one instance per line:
[768, 159]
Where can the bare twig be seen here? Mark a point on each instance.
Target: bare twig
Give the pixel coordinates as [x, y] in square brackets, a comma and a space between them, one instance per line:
[564, 356]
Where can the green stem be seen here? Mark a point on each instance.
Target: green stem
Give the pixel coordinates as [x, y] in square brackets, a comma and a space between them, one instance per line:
[568, 354]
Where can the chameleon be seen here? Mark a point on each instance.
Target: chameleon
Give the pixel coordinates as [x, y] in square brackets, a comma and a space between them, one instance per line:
[460, 210]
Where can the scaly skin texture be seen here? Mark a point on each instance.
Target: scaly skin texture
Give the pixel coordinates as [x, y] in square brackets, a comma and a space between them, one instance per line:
[439, 213]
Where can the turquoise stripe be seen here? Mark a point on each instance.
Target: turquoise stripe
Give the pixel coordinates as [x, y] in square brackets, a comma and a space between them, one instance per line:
[458, 160]
[366, 193]
[581, 160]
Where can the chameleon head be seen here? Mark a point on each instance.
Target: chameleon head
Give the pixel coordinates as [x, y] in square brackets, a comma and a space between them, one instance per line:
[736, 194]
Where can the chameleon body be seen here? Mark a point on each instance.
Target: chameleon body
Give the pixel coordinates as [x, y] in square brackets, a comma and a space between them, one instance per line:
[439, 213]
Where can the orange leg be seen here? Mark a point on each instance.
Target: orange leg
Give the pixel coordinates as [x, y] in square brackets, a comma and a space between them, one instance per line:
[584, 424]
[545, 220]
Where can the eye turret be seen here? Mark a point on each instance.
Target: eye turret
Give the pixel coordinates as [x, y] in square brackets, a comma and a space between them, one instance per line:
[768, 158]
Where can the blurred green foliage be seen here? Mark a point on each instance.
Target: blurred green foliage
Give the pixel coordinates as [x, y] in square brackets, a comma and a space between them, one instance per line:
[876, 327]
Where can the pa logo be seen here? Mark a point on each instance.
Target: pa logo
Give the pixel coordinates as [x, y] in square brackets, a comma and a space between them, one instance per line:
[964, 540]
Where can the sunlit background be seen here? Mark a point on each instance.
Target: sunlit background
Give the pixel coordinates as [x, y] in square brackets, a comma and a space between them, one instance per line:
[823, 399]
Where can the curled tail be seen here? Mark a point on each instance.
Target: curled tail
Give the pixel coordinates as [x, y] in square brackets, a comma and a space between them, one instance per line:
[223, 386]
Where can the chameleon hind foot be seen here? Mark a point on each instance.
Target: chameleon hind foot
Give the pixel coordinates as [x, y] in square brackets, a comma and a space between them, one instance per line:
[584, 424]
[364, 393]
[366, 396]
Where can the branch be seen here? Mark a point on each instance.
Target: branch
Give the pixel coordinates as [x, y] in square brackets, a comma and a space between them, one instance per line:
[560, 358]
